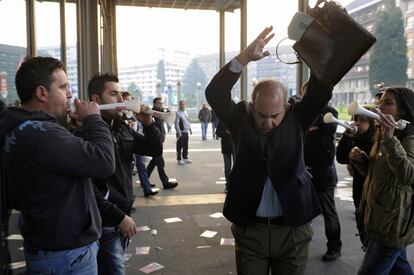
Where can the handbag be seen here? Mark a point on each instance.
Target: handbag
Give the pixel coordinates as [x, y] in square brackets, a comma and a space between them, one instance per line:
[332, 43]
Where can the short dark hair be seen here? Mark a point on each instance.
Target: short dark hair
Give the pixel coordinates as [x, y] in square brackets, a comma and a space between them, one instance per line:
[34, 72]
[155, 100]
[97, 83]
[126, 94]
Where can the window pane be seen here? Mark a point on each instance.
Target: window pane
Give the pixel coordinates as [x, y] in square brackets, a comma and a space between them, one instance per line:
[13, 41]
[271, 12]
[152, 59]
[71, 47]
[47, 16]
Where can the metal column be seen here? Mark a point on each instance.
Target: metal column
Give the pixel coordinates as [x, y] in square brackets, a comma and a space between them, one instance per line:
[243, 45]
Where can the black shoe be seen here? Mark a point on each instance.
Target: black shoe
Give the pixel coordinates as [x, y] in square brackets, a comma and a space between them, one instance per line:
[170, 185]
[331, 255]
[152, 193]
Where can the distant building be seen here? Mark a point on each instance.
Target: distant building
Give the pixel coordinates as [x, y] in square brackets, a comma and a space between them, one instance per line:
[355, 84]
[10, 60]
[145, 77]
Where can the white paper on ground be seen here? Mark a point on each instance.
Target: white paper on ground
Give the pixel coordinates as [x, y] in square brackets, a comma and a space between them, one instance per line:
[221, 182]
[155, 189]
[143, 228]
[151, 268]
[17, 265]
[175, 219]
[14, 237]
[222, 178]
[227, 241]
[143, 250]
[217, 215]
[204, 246]
[208, 234]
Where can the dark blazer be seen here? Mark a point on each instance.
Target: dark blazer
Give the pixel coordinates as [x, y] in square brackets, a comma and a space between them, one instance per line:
[278, 155]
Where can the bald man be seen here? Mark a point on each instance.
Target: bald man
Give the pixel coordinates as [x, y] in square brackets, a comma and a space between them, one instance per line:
[270, 198]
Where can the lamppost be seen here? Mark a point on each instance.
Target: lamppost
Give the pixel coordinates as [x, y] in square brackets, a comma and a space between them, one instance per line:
[169, 86]
[178, 91]
[198, 88]
[158, 87]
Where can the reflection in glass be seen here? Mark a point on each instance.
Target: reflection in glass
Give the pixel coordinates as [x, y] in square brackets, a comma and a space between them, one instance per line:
[13, 42]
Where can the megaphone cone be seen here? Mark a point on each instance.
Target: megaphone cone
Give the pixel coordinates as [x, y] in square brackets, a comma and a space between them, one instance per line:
[355, 109]
[132, 105]
[329, 118]
[168, 117]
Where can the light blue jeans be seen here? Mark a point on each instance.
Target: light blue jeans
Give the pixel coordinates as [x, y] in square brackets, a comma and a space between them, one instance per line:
[111, 252]
[204, 126]
[79, 261]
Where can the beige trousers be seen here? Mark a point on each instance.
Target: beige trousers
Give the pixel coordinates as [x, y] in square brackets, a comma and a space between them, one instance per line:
[283, 249]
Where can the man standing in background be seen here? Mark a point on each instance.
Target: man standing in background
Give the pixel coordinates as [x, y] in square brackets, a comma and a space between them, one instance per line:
[182, 127]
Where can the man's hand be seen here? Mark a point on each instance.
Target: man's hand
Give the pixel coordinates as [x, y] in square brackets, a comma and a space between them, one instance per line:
[254, 51]
[191, 131]
[128, 227]
[145, 118]
[84, 109]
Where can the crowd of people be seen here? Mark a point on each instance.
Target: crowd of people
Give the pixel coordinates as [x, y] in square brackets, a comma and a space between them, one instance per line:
[75, 206]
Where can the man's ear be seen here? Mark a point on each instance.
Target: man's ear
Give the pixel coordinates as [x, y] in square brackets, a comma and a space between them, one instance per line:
[287, 106]
[95, 98]
[41, 93]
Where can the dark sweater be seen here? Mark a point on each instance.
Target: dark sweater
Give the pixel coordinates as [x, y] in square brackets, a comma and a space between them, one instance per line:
[126, 144]
[48, 174]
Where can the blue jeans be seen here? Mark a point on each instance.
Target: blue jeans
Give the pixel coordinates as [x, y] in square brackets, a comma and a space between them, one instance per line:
[111, 252]
[143, 174]
[79, 261]
[204, 126]
[381, 260]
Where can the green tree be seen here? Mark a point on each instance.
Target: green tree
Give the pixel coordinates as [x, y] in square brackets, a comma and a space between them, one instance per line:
[161, 74]
[134, 90]
[388, 60]
[193, 74]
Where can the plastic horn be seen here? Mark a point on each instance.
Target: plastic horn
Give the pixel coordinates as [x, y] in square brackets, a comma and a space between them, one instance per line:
[132, 105]
[168, 117]
[329, 118]
[355, 109]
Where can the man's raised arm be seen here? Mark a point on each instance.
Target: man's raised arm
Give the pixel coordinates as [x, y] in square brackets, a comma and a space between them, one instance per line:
[218, 92]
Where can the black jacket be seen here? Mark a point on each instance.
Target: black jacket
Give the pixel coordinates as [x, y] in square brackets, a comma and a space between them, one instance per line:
[278, 155]
[48, 174]
[320, 143]
[225, 138]
[345, 144]
[126, 143]
[160, 126]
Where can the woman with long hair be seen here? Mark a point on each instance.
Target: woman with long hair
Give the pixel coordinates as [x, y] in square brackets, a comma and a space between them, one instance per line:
[386, 204]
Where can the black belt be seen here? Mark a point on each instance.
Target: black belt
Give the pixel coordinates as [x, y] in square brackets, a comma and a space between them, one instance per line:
[270, 220]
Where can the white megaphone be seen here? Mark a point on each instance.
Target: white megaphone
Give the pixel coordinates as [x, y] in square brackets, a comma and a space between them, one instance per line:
[132, 105]
[168, 117]
[355, 109]
[329, 118]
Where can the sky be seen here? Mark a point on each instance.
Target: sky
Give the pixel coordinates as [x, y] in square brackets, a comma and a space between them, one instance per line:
[142, 31]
